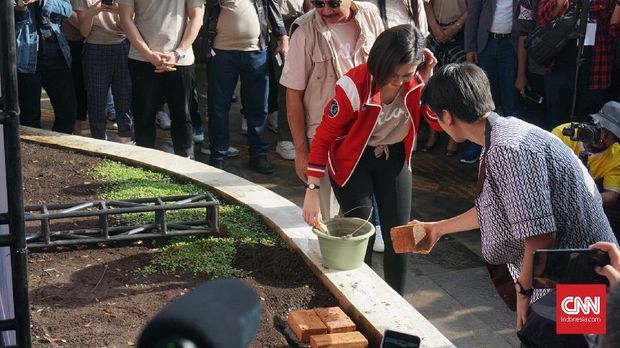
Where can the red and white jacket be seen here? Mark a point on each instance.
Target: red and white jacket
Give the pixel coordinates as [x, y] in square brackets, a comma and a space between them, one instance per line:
[349, 120]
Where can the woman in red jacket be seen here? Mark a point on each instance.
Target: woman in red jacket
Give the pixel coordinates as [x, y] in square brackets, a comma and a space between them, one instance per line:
[366, 138]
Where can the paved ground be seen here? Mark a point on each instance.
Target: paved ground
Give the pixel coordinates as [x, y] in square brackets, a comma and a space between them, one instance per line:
[450, 286]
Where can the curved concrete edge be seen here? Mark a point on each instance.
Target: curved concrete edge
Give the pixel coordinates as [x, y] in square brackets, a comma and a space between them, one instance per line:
[361, 293]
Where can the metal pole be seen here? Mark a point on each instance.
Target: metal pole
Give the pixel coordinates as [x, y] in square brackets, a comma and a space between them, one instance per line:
[13, 173]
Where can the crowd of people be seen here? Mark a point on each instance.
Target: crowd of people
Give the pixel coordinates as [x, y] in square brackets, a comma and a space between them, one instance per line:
[348, 85]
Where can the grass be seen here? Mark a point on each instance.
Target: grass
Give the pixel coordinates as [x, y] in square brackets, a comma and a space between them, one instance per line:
[212, 256]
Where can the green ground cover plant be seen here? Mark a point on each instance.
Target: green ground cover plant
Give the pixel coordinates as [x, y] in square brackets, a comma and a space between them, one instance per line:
[213, 256]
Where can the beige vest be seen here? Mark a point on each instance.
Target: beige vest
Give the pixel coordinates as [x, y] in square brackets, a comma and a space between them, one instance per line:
[326, 69]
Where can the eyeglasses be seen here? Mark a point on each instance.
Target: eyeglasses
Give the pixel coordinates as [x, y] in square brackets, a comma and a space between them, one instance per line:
[331, 3]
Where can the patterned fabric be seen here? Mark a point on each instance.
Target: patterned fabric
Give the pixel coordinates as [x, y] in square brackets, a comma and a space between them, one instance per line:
[449, 52]
[535, 185]
[603, 50]
[105, 67]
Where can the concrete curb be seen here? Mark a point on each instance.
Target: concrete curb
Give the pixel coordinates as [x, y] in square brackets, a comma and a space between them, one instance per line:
[361, 293]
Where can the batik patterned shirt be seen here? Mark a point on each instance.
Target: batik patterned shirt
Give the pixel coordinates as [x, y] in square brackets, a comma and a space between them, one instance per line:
[535, 185]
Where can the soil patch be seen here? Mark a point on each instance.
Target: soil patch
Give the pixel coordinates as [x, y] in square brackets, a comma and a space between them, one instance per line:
[92, 297]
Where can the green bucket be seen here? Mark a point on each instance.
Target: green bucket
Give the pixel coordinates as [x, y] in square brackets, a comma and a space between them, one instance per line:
[345, 246]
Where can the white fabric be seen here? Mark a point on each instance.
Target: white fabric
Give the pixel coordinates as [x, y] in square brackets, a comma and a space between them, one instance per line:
[397, 13]
[350, 89]
[502, 19]
[344, 37]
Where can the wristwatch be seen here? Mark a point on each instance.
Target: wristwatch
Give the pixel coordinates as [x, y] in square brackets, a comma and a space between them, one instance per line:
[312, 186]
[523, 291]
[181, 53]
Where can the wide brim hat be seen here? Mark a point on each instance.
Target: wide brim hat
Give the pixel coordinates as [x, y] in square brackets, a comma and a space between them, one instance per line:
[609, 117]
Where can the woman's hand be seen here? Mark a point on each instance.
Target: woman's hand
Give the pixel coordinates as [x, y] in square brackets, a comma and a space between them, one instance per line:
[426, 70]
[523, 306]
[433, 234]
[611, 271]
[312, 208]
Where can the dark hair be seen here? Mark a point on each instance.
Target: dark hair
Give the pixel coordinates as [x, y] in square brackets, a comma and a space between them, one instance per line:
[412, 11]
[402, 44]
[462, 89]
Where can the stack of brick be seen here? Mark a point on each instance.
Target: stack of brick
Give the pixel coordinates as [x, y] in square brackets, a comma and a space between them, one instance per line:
[326, 328]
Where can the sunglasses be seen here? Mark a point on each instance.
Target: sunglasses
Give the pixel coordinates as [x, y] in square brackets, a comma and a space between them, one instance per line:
[331, 3]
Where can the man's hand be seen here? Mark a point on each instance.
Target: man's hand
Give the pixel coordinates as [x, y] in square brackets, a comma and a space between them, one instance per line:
[433, 234]
[611, 271]
[523, 306]
[521, 84]
[283, 46]
[450, 31]
[301, 162]
[472, 57]
[161, 61]
[438, 33]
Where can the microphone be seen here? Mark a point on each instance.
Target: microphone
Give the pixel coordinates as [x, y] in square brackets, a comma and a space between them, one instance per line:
[223, 313]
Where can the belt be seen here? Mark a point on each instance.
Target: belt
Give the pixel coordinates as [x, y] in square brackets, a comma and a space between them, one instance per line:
[498, 36]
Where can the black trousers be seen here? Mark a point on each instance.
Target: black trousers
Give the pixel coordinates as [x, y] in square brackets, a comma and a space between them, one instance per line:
[147, 87]
[390, 182]
[77, 71]
[59, 87]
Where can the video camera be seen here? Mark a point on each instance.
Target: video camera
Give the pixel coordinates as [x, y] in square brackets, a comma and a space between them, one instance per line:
[585, 132]
[223, 313]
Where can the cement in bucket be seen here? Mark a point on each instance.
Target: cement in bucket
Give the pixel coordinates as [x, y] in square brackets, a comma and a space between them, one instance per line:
[345, 246]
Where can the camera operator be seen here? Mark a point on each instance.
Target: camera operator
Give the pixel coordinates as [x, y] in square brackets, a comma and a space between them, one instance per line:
[599, 142]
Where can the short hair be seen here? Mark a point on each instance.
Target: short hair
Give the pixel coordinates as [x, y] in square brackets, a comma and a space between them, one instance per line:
[462, 89]
[402, 44]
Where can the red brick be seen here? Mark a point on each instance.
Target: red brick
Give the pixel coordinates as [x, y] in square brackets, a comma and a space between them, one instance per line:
[407, 238]
[305, 323]
[335, 319]
[339, 340]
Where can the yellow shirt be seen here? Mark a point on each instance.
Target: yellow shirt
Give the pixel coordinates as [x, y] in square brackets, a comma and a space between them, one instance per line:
[605, 164]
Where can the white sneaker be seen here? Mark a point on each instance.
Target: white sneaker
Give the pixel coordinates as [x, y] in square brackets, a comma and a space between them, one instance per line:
[231, 152]
[162, 120]
[272, 121]
[286, 150]
[379, 245]
[244, 126]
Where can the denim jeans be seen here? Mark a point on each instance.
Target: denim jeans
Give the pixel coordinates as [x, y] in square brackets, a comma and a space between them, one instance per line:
[223, 70]
[499, 61]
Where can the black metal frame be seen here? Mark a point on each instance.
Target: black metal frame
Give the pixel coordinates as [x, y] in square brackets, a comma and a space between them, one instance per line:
[160, 228]
[9, 119]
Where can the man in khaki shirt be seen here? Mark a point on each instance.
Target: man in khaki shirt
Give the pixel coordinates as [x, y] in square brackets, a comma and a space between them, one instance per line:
[326, 43]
